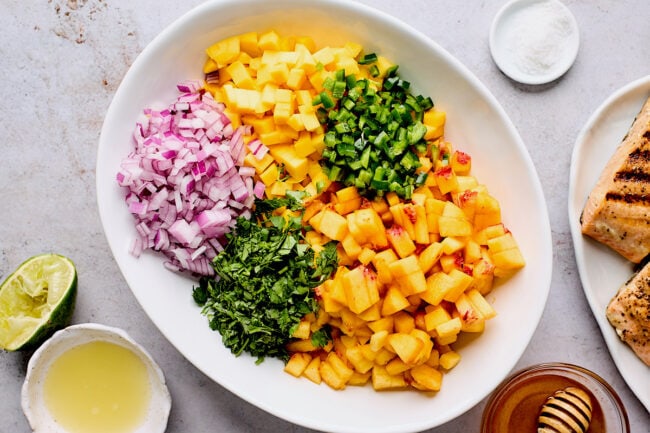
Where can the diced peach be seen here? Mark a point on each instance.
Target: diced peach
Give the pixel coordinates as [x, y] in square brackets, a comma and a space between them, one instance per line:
[330, 376]
[378, 339]
[403, 322]
[449, 360]
[361, 291]
[429, 378]
[369, 222]
[312, 372]
[406, 346]
[461, 281]
[383, 324]
[358, 361]
[435, 317]
[333, 225]
[405, 266]
[394, 301]
[382, 261]
[397, 366]
[303, 329]
[297, 363]
[429, 256]
[481, 304]
[351, 246]
[446, 179]
[400, 241]
[382, 380]
[366, 255]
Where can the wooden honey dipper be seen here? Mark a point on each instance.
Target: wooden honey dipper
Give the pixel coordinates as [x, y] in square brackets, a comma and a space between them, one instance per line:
[566, 411]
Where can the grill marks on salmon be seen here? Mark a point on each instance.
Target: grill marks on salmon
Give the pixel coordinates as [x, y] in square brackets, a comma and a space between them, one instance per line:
[617, 211]
[629, 313]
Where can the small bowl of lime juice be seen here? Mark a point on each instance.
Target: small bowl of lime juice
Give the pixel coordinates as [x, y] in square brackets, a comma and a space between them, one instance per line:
[94, 378]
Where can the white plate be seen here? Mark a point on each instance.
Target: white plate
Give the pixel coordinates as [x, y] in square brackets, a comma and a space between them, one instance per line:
[476, 124]
[541, 59]
[602, 270]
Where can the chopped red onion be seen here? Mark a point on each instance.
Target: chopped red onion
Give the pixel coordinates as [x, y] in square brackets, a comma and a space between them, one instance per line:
[185, 179]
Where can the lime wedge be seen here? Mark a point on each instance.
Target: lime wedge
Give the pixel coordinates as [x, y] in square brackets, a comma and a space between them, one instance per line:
[36, 300]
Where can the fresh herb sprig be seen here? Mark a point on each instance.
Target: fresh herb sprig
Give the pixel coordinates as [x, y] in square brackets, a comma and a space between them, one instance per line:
[264, 281]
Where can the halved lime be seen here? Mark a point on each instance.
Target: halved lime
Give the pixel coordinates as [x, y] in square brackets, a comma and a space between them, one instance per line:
[36, 300]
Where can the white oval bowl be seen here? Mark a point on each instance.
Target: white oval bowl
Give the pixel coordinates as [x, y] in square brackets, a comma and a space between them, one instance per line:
[476, 123]
[32, 398]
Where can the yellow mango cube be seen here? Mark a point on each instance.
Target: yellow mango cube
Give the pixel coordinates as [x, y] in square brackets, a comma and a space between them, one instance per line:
[248, 44]
[295, 165]
[296, 78]
[224, 51]
[240, 75]
[259, 164]
[282, 112]
[310, 121]
[269, 40]
[325, 56]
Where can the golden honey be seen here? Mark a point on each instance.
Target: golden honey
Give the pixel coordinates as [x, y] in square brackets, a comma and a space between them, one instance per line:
[515, 406]
[98, 387]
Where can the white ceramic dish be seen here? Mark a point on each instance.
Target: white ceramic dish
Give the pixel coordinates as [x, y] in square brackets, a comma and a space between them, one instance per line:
[476, 124]
[536, 62]
[33, 401]
[602, 270]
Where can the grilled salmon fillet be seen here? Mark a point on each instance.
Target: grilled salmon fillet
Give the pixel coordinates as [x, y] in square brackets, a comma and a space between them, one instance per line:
[629, 313]
[617, 211]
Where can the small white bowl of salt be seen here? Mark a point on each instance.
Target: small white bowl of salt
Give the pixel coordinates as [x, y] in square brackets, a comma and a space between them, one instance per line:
[534, 41]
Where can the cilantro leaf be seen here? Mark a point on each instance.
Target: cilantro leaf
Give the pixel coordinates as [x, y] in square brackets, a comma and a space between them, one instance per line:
[264, 282]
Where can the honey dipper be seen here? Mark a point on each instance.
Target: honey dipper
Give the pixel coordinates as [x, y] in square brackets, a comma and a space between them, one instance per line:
[566, 411]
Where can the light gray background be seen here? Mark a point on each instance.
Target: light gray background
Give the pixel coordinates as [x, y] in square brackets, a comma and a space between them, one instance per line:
[60, 64]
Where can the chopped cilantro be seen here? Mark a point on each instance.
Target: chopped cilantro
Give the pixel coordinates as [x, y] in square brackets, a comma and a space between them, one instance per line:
[264, 282]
